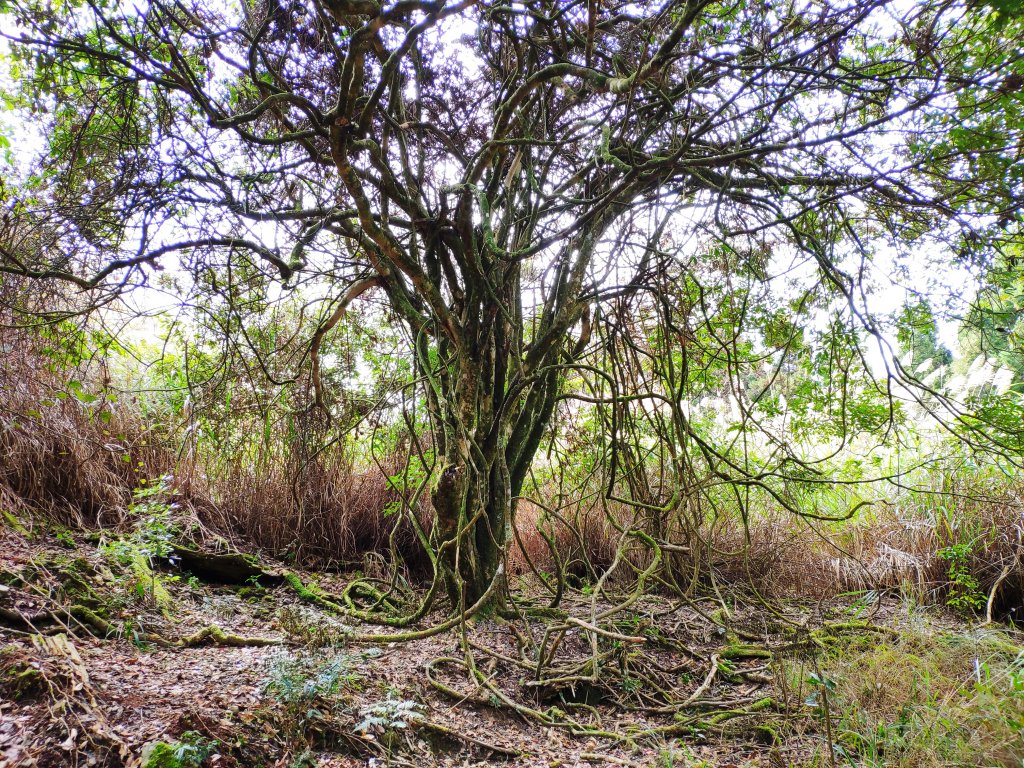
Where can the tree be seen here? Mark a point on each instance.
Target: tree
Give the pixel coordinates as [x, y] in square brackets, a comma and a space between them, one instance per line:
[918, 337]
[992, 328]
[500, 171]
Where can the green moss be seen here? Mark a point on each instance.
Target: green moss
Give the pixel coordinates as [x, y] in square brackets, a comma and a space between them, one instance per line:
[292, 580]
[18, 678]
[15, 524]
[745, 652]
[252, 594]
[310, 595]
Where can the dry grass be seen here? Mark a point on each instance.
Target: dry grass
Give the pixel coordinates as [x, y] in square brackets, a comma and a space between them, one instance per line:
[896, 546]
[70, 453]
[328, 513]
[584, 532]
[906, 548]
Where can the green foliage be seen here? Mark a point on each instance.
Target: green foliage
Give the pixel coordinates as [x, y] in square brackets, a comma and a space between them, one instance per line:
[410, 480]
[153, 532]
[390, 714]
[11, 520]
[917, 335]
[312, 628]
[993, 329]
[64, 538]
[1005, 10]
[307, 690]
[965, 593]
[190, 751]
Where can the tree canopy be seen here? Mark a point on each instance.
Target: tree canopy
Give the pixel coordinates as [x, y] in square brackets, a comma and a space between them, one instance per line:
[619, 205]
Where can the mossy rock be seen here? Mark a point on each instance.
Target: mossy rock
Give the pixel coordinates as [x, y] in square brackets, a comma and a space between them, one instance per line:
[252, 594]
[18, 678]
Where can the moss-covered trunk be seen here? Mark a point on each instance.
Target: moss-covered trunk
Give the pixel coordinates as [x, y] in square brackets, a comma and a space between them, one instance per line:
[491, 421]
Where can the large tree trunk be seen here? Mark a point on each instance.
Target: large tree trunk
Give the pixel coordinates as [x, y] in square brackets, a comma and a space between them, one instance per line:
[491, 424]
[474, 515]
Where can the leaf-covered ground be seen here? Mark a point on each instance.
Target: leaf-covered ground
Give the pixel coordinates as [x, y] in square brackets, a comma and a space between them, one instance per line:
[175, 671]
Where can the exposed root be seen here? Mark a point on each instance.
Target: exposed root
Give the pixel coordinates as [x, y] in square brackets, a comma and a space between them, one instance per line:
[214, 635]
[312, 595]
[465, 738]
[52, 623]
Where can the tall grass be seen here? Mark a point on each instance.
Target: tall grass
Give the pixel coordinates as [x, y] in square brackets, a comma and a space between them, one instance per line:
[328, 512]
[925, 698]
[68, 448]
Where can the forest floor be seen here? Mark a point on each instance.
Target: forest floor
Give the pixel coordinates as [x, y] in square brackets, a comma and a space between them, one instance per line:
[139, 678]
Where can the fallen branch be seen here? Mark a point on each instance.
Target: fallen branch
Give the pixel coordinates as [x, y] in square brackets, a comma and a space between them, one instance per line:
[992, 595]
[703, 687]
[605, 632]
[214, 635]
[221, 567]
[594, 757]
[55, 622]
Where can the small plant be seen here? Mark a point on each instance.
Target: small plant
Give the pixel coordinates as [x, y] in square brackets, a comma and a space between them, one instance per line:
[155, 528]
[308, 691]
[190, 752]
[65, 539]
[388, 715]
[151, 540]
[965, 593]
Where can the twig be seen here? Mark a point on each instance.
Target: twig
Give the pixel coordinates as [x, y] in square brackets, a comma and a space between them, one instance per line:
[594, 757]
[706, 684]
[460, 736]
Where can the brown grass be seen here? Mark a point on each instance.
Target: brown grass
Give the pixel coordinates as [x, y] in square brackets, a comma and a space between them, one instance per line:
[896, 546]
[75, 461]
[328, 513]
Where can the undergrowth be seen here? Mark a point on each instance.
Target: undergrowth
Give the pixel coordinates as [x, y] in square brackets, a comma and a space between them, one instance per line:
[924, 697]
[77, 454]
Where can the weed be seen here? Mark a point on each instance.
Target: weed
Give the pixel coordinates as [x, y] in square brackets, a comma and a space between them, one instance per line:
[965, 593]
[390, 714]
[297, 682]
[190, 752]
